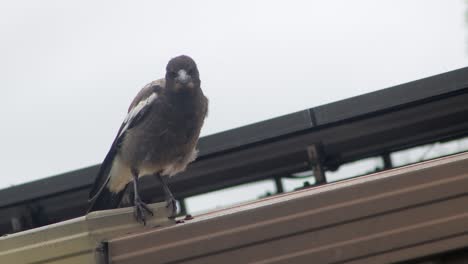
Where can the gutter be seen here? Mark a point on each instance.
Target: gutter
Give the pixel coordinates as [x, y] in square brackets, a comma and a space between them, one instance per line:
[78, 240]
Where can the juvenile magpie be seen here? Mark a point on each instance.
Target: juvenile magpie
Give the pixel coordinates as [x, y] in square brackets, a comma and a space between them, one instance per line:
[158, 137]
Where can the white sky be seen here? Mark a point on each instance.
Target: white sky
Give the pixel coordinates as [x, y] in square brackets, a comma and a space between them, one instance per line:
[69, 69]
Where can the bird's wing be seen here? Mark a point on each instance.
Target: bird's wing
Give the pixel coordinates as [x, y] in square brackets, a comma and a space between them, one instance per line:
[137, 111]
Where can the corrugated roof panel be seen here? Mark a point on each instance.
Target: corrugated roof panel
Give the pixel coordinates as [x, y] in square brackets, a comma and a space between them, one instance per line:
[385, 215]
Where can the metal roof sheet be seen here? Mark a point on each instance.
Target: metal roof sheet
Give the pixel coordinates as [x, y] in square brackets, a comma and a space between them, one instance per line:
[386, 217]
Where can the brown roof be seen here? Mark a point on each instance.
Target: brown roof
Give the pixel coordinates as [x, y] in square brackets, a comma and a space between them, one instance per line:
[398, 215]
[386, 217]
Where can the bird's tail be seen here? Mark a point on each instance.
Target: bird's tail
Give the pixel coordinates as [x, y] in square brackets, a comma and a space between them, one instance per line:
[100, 197]
[106, 200]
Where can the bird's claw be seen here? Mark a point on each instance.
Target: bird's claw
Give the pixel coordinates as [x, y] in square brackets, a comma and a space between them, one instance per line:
[141, 209]
[171, 204]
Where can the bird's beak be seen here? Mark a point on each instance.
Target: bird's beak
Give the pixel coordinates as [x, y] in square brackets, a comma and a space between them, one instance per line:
[182, 77]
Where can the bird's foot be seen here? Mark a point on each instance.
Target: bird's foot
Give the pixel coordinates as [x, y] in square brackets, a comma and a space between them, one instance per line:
[171, 204]
[141, 209]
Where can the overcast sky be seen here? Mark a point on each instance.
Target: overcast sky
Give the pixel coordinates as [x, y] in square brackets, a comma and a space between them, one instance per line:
[69, 69]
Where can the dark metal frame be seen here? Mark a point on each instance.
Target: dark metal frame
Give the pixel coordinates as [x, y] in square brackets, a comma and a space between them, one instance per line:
[324, 137]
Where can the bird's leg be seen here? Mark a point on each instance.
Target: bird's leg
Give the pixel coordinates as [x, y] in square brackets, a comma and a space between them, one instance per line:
[140, 207]
[170, 200]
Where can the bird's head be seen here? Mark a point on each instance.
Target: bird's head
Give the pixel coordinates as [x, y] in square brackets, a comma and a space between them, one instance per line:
[182, 74]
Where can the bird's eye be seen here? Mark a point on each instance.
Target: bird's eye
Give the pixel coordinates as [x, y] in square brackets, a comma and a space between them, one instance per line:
[173, 74]
[190, 72]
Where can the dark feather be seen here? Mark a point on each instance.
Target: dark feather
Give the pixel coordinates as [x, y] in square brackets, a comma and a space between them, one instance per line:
[106, 200]
[97, 190]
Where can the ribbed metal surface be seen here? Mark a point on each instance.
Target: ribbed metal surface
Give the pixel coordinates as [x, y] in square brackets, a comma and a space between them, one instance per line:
[386, 217]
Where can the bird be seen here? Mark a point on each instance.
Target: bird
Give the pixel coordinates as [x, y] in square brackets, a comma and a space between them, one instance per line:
[158, 137]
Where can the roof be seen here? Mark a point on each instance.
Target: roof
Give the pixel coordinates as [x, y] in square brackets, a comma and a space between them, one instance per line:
[396, 215]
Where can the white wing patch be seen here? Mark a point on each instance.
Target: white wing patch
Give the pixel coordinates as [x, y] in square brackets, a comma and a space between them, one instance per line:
[119, 175]
[136, 109]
